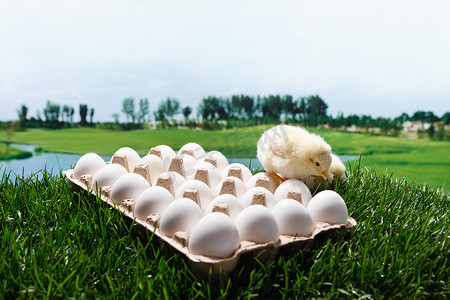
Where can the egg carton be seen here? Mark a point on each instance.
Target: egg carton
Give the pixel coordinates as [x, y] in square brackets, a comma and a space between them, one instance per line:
[201, 264]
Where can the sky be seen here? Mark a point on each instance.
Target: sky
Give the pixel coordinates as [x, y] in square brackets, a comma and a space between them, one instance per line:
[379, 58]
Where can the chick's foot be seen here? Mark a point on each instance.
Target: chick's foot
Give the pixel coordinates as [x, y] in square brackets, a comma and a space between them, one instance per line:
[277, 177]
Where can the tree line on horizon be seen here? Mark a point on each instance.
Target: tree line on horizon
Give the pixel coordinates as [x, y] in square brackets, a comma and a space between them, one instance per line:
[223, 112]
[55, 116]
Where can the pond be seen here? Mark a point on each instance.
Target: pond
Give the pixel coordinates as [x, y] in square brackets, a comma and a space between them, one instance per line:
[56, 162]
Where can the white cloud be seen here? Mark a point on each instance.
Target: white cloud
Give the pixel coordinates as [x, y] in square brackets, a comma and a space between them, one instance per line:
[352, 53]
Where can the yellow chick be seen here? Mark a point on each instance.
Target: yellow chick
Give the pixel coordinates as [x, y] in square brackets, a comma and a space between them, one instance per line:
[337, 167]
[337, 170]
[292, 152]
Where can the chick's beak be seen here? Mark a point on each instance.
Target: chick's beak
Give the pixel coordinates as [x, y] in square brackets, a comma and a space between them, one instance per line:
[323, 174]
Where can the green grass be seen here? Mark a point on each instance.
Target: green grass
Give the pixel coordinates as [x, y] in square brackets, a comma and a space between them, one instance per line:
[55, 243]
[422, 161]
[82, 140]
[13, 153]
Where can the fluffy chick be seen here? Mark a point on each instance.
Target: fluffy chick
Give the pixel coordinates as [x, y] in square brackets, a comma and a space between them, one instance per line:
[293, 152]
[336, 171]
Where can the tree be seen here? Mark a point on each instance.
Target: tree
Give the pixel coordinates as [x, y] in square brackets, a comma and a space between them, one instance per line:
[221, 111]
[159, 115]
[204, 108]
[402, 118]
[257, 111]
[446, 118]
[128, 109]
[116, 118]
[22, 115]
[225, 107]
[10, 128]
[316, 110]
[288, 106]
[248, 103]
[440, 133]
[168, 108]
[235, 109]
[430, 117]
[65, 113]
[302, 108]
[71, 113]
[431, 131]
[51, 112]
[316, 106]
[272, 107]
[38, 117]
[186, 112]
[424, 116]
[213, 108]
[352, 120]
[366, 122]
[91, 115]
[83, 114]
[143, 110]
[419, 116]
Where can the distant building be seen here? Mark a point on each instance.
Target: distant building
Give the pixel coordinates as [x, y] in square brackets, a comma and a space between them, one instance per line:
[412, 126]
[427, 126]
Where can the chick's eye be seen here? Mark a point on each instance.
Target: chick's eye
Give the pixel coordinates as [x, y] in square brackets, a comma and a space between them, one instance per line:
[317, 164]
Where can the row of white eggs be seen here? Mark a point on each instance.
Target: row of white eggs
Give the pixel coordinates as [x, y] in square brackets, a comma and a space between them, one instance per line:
[212, 233]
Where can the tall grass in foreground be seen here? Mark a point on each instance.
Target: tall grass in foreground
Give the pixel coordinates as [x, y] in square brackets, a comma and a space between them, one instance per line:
[55, 243]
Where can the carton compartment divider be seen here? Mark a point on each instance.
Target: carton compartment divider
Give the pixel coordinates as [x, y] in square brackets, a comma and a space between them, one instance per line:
[201, 265]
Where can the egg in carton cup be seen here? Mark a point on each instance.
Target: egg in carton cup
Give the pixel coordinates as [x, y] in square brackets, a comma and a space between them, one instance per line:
[211, 212]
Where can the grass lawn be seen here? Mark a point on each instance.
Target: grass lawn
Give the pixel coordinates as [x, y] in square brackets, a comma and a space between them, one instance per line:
[422, 161]
[13, 153]
[54, 243]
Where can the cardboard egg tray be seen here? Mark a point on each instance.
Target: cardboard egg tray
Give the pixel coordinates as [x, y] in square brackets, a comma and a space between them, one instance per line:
[201, 265]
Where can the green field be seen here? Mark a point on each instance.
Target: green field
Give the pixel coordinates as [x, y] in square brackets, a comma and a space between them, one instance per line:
[58, 244]
[422, 161]
[13, 153]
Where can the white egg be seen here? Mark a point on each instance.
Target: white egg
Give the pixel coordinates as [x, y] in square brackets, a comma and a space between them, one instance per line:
[216, 158]
[247, 198]
[186, 162]
[229, 185]
[328, 206]
[204, 192]
[155, 165]
[263, 179]
[234, 205]
[193, 148]
[181, 215]
[292, 188]
[246, 173]
[214, 176]
[166, 152]
[131, 155]
[88, 164]
[215, 235]
[177, 179]
[128, 186]
[153, 200]
[293, 218]
[108, 175]
[257, 224]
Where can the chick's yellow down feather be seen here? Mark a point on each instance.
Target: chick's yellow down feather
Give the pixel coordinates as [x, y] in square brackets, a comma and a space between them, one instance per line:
[336, 172]
[293, 152]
